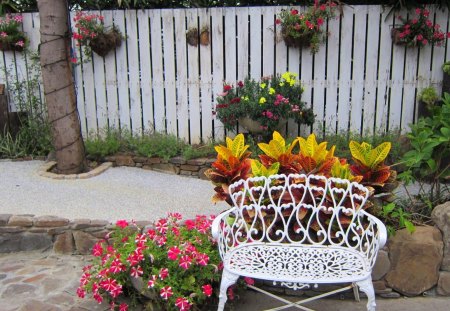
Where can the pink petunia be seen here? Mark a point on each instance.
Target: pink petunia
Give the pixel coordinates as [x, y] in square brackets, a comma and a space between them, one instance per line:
[97, 250]
[207, 290]
[122, 223]
[166, 292]
[136, 271]
[81, 292]
[176, 216]
[185, 262]
[3, 34]
[173, 253]
[419, 37]
[183, 304]
[20, 43]
[151, 283]
[202, 259]
[161, 226]
[163, 273]
[123, 307]
[249, 281]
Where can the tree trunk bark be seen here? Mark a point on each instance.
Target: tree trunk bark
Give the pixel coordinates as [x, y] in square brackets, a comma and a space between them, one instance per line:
[59, 87]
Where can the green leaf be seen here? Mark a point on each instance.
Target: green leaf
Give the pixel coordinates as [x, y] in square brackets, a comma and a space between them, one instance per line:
[409, 226]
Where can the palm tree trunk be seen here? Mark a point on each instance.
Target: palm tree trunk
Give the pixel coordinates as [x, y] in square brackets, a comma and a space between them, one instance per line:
[59, 86]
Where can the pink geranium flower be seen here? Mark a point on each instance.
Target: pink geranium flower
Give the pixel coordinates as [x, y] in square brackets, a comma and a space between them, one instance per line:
[207, 290]
[183, 304]
[166, 292]
[185, 262]
[173, 253]
[163, 273]
[122, 223]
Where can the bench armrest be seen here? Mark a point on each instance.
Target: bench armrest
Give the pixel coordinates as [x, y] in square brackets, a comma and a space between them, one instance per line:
[381, 228]
[215, 227]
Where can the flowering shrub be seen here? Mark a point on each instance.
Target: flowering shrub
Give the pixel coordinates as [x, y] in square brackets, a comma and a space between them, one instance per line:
[419, 31]
[266, 101]
[178, 263]
[93, 35]
[10, 35]
[306, 28]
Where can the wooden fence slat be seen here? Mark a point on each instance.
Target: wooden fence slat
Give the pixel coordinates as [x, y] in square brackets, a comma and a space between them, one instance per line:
[217, 34]
[194, 81]
[157, 70]
[255, 42]
[345, 73]
[242, 43]
[122, 74]
[133, 71]
[169, 71]
[181, 84]
[409, 87]
[268, 41]
[332, 75]
[370, 87]
[439, 53]
[111, 80]
[384, 71]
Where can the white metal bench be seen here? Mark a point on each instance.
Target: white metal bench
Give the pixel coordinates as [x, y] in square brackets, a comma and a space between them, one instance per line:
[299, 231]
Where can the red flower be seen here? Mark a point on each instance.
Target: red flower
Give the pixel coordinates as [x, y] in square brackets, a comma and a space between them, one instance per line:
[136, 271]
[294, 12]
[161, 226]
[414, 21]
[122, 223]
[151, 283]
[173, 253]
[320, 21]
[419, 37]
[424, 41]
[163, 273]
[190, 224]
[202, 259]
[249, 281]
[185, 262]
[123, 307]
[166, 292]
[176, 216]
[278, 21]
[207, 290]
[183, 304]
[97, 250]
[323, 7]
[230, 293]
[418, 11]
[240, 83]
[81, 292]
[227, 87]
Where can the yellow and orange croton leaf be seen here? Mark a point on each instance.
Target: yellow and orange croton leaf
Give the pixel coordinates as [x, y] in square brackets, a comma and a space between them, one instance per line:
[278, 151]
[258, 169]
[341, 169]
[234, 148]
[368, 156]
[314, 157]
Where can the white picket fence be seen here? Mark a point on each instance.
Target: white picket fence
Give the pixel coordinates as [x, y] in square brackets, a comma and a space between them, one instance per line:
[358, 80]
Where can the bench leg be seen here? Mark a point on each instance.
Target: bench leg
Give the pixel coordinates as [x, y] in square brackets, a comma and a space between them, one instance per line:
[367, 287]
[228, 279]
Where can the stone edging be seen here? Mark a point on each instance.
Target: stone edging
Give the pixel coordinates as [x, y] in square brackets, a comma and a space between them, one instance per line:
[46, 167]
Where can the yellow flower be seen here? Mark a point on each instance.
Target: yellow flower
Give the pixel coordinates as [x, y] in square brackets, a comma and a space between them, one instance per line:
[244, 98]
[262, 85]
[262, 100]
[271, 91]
[281, 83]
[292, 82]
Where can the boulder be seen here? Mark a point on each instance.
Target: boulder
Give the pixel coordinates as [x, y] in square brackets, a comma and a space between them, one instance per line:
[124, 160]
[441, 217]
[415, 260]
[382, 265]
[84, 242]
[443, 287]
[64, 243]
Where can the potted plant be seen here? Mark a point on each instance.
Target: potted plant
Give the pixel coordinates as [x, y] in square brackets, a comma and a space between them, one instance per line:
[419, 31]
[94, 36]
[305, 29]
[175, 265]
[262, 106]
[427, 98]
[446, 78]
[204, 36]
[192, 36]
[11, 37]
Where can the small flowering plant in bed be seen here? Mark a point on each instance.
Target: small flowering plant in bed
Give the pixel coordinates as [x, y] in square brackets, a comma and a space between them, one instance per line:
[11, 37]
[94, 35]
[306, 28]
[419, 31]
[177, 264]
[268, 102]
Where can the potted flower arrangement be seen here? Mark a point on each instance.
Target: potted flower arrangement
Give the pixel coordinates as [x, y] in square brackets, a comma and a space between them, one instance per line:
[428, 99]
[11, 37]
[268, 102]
[419, 31]
[278, 157]
[91, 33]
[305, 29]
[174, 265]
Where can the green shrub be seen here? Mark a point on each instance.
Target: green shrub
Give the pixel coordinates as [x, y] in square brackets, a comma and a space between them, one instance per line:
[158, 145]
[99, 147]
[199, 151]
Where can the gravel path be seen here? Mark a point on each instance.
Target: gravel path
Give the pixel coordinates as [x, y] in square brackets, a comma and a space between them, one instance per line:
[118, 193]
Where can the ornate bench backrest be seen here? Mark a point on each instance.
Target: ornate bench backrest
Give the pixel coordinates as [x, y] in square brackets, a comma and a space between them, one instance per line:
[299, 210]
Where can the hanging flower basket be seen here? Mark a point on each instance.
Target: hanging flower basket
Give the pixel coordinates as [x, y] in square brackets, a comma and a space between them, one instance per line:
[255, 127]
[104, 42]
[396, 38]
[297, 42]
[12, 46]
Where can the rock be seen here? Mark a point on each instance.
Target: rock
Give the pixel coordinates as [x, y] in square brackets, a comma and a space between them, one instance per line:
[24, 242]
[124, 160]
[4, 218]
[199, 161]
[166, 168]
[50, 221]
[140, 160]
[98, 223]
[390, 295]
[191, 168]
[37, 305]
[201, 173]
[415, 260]
[153, 160]
[21, 221]
[15, 289]
[178, 160]
[441, 217]
[382, 266]
[84, 242]
[78, 224]
[443, 287]
[64, 243]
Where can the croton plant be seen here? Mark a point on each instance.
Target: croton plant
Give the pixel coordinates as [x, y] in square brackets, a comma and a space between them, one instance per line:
[366, 166]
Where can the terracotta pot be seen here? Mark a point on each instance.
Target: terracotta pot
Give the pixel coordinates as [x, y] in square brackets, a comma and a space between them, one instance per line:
[204, 37]
[254, 127]
[106, 41]
[192, 37]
